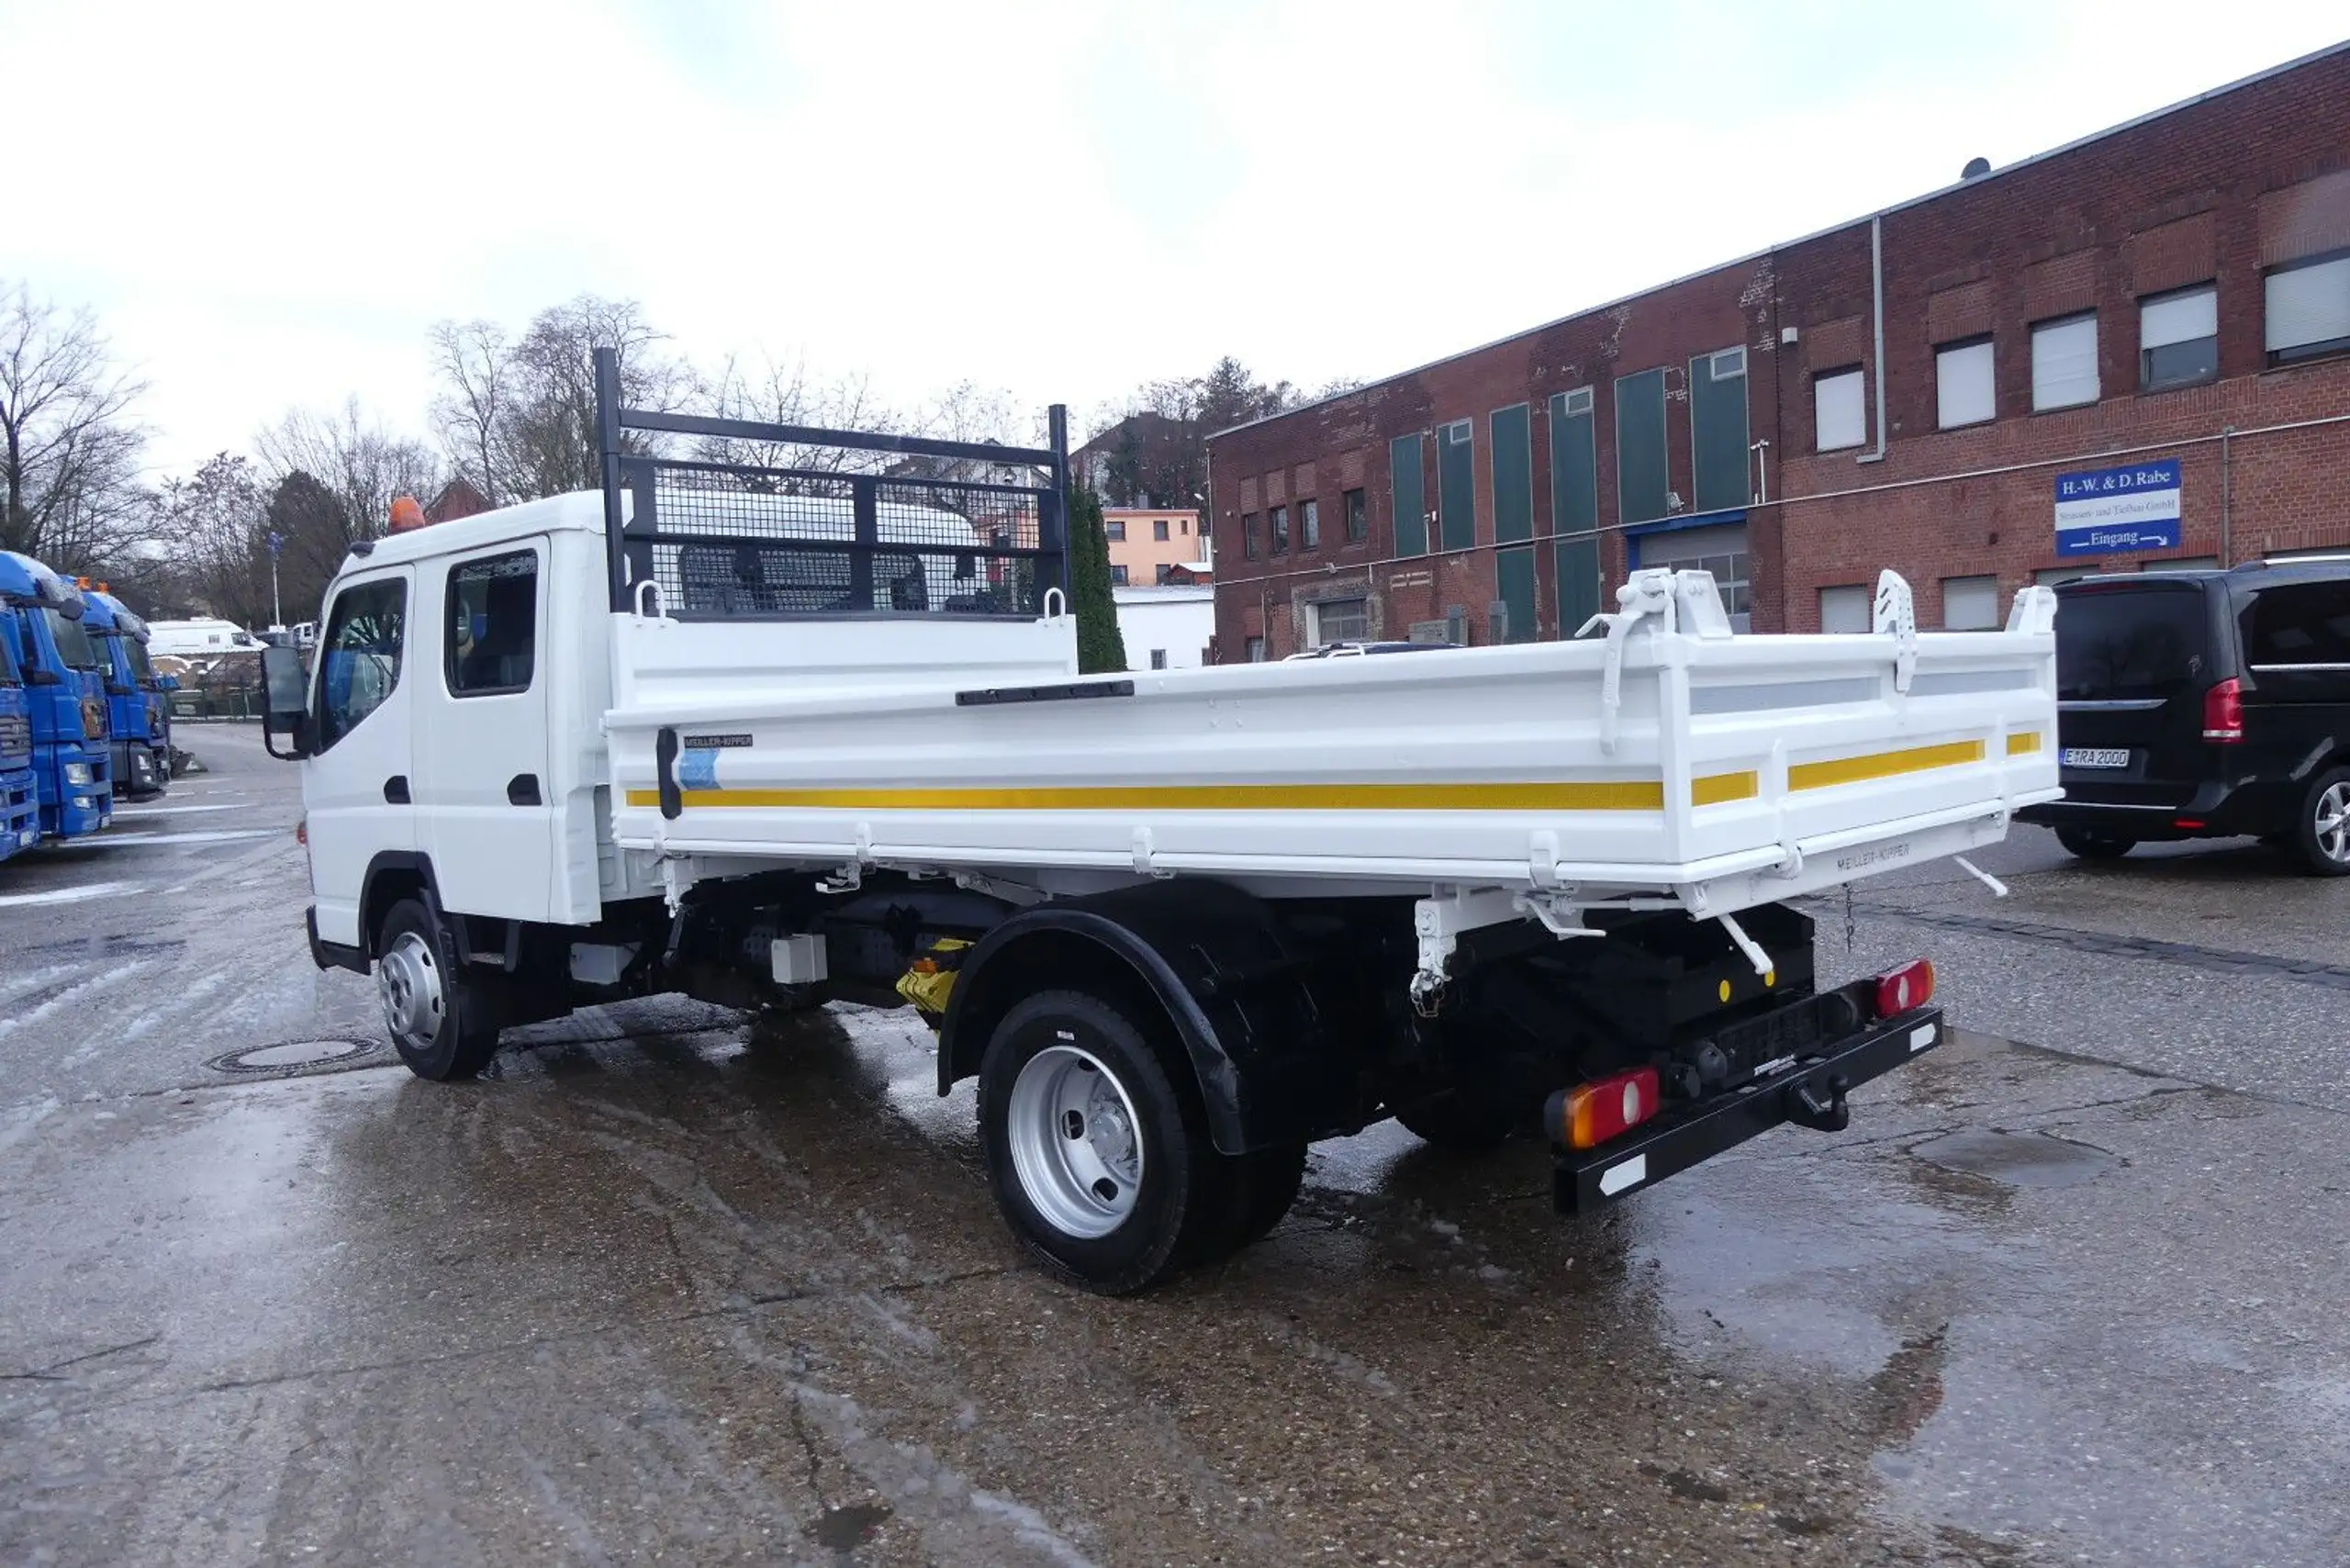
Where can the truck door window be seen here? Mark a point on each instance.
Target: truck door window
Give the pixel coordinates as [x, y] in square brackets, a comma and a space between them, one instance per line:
[360, 664]
[493, 624]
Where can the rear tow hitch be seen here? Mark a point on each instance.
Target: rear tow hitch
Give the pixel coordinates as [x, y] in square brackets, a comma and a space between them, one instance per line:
[1833, 1113]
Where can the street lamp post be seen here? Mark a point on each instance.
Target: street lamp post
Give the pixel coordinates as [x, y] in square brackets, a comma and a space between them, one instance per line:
[276, 612]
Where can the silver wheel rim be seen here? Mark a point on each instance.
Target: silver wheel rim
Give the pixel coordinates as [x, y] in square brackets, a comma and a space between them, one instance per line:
[2333, 824]
[408, 980]
[1076, 1142]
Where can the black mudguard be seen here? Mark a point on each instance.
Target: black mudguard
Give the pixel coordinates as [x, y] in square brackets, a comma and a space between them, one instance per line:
[1272, 1033]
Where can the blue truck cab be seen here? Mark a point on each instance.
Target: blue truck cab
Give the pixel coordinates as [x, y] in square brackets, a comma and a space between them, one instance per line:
[20, 794]
[59, 660]
[136, 708]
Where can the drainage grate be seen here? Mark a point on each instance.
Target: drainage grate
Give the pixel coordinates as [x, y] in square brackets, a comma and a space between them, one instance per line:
[288, 1056]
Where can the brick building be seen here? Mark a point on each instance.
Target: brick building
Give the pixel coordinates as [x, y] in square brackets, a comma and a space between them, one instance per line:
[2174, 291]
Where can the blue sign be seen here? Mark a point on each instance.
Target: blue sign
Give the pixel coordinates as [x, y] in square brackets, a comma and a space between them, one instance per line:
[2110, 512]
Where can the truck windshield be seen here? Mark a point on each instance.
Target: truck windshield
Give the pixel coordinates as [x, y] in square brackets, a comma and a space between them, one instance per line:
[140, 668]
[8, 672]
[73, 639]
[2135, 643]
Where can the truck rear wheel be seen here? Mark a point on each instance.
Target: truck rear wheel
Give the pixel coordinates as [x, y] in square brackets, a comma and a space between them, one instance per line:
[1100, 1162]
[442, 1024]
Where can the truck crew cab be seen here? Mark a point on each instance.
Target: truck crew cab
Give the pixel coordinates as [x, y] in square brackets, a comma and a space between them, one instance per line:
[140, 754]
[773, 733]
[59, 662]
[19, 791]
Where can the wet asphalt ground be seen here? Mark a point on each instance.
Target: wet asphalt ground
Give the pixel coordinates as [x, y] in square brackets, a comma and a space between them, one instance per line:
[667, 1288]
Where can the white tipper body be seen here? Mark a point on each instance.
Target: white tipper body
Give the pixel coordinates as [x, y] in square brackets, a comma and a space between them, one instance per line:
[1671, 763]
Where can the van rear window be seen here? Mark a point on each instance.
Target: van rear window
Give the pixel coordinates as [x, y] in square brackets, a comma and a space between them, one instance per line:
[2132, 643]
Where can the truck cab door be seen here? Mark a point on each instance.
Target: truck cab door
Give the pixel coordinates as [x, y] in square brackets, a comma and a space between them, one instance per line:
[485, 806]
[356, 785]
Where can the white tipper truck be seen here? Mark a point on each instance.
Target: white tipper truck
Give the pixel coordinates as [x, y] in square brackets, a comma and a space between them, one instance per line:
[773, 734]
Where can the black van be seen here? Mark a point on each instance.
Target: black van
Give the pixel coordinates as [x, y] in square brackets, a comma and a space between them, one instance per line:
[2203, 705]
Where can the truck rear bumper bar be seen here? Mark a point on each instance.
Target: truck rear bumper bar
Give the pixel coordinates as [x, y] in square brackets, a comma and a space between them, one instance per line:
[1811, 1093]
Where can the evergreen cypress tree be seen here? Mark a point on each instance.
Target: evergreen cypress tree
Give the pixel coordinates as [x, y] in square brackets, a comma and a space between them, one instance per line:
[1100, 647]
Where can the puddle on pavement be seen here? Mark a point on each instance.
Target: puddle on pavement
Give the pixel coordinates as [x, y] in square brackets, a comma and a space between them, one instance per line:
[2020, 1160]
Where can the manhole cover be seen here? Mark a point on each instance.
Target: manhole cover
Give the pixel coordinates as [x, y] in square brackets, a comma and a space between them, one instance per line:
[2021, 1159]
[294, 1056]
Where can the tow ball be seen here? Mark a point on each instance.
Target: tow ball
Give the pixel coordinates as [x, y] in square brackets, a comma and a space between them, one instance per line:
[1807, 1107]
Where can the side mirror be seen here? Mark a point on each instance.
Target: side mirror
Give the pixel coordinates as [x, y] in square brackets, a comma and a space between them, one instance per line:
[167, 683]
[286, 703]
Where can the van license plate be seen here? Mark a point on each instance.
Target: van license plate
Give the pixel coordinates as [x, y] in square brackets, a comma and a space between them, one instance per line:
[2096, 756]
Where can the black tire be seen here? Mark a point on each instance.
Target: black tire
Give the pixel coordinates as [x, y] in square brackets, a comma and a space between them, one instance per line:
[1264, 1183]
[450, 1041]
[2323, 852]
[1179, 1211]
[1456, 1122]
[2090, 845]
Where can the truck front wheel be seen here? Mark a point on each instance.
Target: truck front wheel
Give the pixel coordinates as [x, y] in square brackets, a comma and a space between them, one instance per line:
[1099, 1160]
[442, 1024]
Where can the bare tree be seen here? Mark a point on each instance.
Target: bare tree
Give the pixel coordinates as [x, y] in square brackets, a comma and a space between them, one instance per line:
[778, 394]
[553, 440]
[477, 403]
[69, 449]
[211, 523]
[355, 461]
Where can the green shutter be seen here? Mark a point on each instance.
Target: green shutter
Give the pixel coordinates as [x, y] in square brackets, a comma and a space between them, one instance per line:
[1456, 483]
[1513, 446]
[1514, 575]
[1718, 433]
[1578, 583]
[1640, 480]
[1575, 466]
[1411, 498]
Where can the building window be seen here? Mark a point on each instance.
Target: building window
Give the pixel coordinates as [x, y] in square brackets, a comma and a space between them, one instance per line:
[1846, 609]
[1309, 525]
[1117, 577]
[1184, 526]
[1966, 393]
[2179, 339]
[1255, 647]
[1248, 536]
[1340, 620]
[2064, 363]
[1116, 530]
[1159, 658]
[1358, 516]
[2309, 308]
[1839, 409]
[1158, 529]
[1720, 551]
[1280, 530]
[1970, 604]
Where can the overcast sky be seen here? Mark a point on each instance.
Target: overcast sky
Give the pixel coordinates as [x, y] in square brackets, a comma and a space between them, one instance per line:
[269, 205]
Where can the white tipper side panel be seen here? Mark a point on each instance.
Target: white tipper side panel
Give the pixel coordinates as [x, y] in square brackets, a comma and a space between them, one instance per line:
[1743, 768]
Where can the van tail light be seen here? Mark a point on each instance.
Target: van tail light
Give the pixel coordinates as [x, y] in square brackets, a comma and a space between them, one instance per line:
[1899, 991]
[1590, 1113]
[2223, 714]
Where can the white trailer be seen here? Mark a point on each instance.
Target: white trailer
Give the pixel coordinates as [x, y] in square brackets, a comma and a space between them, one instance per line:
[771, 736]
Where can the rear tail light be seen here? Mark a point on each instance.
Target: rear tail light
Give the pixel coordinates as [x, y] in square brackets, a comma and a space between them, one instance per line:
[2223, 714]
[1590, 1113]
[1899, 991]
